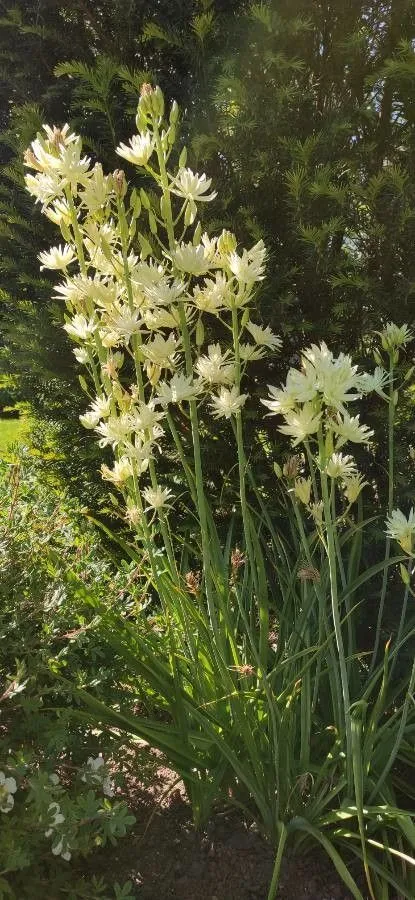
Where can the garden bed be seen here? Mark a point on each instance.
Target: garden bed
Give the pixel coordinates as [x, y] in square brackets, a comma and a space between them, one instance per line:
[166, 858]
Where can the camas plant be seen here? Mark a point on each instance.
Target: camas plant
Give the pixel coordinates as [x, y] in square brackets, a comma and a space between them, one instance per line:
[267, 697]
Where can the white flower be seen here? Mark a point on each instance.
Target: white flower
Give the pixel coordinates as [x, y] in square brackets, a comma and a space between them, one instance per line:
[147, 274]
[95, 772]
[302, 490]
[317, 510]
[55, 817]
[45, 187]
[165, 292]
[335, 377]
[250, 352]
[228, 403]
[249, 267]
[93, 765]
[145, 417]
[301, 423]
[60, 135]
[401, 528]
[115, 431]
[302, 384]
[394, 336]
[58, 212]
[108, 786]
[61, 849]
[192, 186]
[214, 294]
[194, 260]
[8, 787]
[99, 409]
[341, 466]
[72, 167]
[157, 498]
[72, 290]
[54, 779]
[140, 149]
[281, 401]
[352, 487]
[140, 452]
[80, 328]
[97, 189]
[57, 257]
[179, 388]
[120, 473]
[161, 351]
[264, 337]
[375, 382]
[214, 368]
[123, 323]
[349, 428]
[81, 355]
[42, 153]
[133, 514]
[160, 318]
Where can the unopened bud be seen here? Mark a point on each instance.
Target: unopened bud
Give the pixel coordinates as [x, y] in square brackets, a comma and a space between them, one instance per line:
[174, 113]
[151, 102]
[119, 183]
[226, 242]
[183, 158]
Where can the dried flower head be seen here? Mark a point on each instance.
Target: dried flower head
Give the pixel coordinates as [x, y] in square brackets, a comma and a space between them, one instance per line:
[291, 467]
[192, 580]
[309, 573]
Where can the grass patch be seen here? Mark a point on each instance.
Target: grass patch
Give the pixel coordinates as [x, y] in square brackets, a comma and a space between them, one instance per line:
[12, 431]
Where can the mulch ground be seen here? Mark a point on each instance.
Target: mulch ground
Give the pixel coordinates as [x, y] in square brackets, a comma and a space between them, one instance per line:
[165, 858]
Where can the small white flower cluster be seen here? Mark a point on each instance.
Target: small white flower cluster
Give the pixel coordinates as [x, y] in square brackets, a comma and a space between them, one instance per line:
[60, 845]
[8, 787]
[96, 774]
[313, 403]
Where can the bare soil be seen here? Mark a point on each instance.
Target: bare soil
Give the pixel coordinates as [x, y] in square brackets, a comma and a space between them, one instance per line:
[165, 858]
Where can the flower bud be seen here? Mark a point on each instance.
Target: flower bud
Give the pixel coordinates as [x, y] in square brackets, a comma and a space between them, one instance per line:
[174, 113]
[151, 102]
[183, 158]
[302, 490]
[226, 242]
[119, 183]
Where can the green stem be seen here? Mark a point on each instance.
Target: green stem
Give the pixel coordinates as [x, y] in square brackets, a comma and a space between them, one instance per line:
[272, 893]
[332, 560]
[263, 609]
[201, 500]
[391, 427]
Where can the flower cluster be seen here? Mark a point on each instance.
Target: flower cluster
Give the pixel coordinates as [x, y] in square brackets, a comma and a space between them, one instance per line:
[8, 787]
[313, 403]
[60, 845]
[139, 278]
[95, 773]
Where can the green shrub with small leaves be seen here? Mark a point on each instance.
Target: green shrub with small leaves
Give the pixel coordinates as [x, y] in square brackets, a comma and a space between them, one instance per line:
[59, 798]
